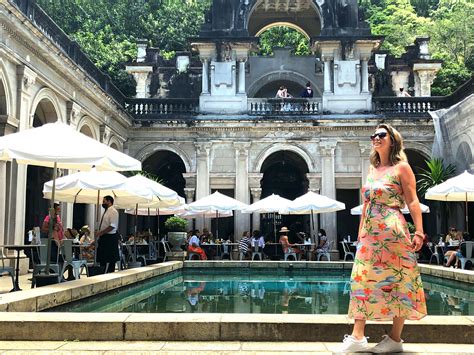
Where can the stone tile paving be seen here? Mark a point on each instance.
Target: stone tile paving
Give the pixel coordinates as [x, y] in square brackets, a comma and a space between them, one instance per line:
[48, 347]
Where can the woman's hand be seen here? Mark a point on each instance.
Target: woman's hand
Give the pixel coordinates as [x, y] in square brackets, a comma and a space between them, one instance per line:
[417, 242]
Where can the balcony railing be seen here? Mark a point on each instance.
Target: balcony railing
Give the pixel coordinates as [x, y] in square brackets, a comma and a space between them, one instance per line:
[415, 107]
[159, 109]
[284, 107]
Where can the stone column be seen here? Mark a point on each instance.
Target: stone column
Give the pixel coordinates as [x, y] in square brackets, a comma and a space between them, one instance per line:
[399, 80]
[25, 80]
[189, 192]
[256, 194]
[205, 76]
[142, 76]
[242, 193]
[328, 187]
[314, 180]
[365, 149]
[327, 74]
[424, 74]
[202, 174]
[241, 87]
[364, 75]
[91, 216]
[3, 199]
[73, 113]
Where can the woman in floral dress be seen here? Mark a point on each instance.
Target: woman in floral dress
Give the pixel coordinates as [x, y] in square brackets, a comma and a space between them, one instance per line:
[385, 280]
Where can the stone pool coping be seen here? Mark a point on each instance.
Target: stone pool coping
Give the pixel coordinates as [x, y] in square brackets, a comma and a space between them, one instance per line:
[19, 319]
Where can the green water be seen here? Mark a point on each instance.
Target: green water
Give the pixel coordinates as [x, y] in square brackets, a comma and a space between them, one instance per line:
[259, 291]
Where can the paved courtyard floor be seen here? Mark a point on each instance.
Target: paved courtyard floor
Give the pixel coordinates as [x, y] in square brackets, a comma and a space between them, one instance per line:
[233, 347]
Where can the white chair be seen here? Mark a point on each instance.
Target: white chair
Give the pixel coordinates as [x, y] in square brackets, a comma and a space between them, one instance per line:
[327, 253]
[76, 264]
[191, 256]
[166, 248]
[466, 253]
[347, 251]
[6, 269]
[38, 268]
[289, 252]
[226, 250]
[434, 253]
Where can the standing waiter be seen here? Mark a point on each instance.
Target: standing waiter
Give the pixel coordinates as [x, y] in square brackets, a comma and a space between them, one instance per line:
[107, 236]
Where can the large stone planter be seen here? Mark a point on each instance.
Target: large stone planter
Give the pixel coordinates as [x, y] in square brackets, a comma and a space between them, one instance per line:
[176, 239]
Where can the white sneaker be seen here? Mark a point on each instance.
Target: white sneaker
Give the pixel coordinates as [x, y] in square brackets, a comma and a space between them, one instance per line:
[388, 345]
[351, 345]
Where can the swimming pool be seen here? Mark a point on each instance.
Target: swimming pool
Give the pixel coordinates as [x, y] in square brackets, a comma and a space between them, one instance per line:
[267, 291]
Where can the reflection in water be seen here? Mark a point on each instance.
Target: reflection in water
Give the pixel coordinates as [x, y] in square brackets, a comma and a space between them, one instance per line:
[253, 292]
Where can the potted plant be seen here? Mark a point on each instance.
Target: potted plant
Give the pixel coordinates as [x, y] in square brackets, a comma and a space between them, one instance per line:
[176, 228]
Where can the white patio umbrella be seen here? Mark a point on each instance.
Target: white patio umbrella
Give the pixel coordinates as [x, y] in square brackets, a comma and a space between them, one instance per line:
[357, 211]
[271, 204]
[163, 196]
[457, 189]
[90, 186]
[216, 203]
[311, 203]
[58, 145]
[203, 214]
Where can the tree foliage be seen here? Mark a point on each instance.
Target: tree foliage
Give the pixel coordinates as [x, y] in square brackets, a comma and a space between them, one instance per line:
[107, 30]
[281, 36]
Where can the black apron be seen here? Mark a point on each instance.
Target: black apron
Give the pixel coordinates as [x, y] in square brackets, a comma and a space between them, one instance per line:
[107, 250]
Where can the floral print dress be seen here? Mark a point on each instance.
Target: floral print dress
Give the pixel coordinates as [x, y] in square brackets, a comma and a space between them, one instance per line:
[385, 280]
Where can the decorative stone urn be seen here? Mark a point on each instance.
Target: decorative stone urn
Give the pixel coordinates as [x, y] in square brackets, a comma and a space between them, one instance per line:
[176, 239]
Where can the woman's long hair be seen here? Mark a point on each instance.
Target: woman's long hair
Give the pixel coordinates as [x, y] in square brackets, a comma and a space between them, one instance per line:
[397, 152]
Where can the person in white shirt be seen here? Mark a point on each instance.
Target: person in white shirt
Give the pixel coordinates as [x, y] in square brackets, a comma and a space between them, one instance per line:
[107, 236]
[257, 240]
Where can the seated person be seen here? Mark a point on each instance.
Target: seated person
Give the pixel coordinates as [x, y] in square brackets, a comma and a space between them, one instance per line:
[194, 245]
[285, 244]
[244, 244]
[451, 254]
[458, 253]
[450, 236]
[323, 246]
[282, 93]
[87, 252]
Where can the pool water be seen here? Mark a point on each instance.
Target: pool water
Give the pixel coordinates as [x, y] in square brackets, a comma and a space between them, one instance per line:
[259, 291]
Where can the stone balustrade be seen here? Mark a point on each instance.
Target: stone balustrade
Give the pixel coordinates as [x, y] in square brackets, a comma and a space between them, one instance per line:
[284, 107]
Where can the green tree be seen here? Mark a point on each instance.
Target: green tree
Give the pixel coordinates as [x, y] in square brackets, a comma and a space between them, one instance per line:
[282, 36]
[424, 7]
[107, 30]
[397, 21]
[436, 173]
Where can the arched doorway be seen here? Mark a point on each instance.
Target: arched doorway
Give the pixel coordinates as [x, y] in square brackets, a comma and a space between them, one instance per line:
[169, 168]
[303, 14]
[36, 205]
[284, 174]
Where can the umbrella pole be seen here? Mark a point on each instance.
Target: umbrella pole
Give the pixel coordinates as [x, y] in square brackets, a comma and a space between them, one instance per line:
[97, 217]
[52, 220]
[217, 224]
[158, 213]
[135, 238]
[311, 226]
[274, 227]
[467, 217]
[149, 222]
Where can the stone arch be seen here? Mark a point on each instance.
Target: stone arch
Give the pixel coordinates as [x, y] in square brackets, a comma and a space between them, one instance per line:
[277, 78]
[464, 154]
[259, 14]
[283, 24]
[115, 143]
[6, 96]
[48, 102]
[150, 149]
[86, 125]
[419, 148]
[282, 147]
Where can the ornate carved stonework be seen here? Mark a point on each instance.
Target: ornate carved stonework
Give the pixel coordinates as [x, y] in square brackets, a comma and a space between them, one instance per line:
[256, 193]
[203, 149]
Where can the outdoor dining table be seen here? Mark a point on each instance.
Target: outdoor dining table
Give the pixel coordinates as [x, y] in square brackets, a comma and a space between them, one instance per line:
[18, 248]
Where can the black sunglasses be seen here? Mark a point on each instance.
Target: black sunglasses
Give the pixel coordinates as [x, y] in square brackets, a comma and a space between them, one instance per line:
[381, 135]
